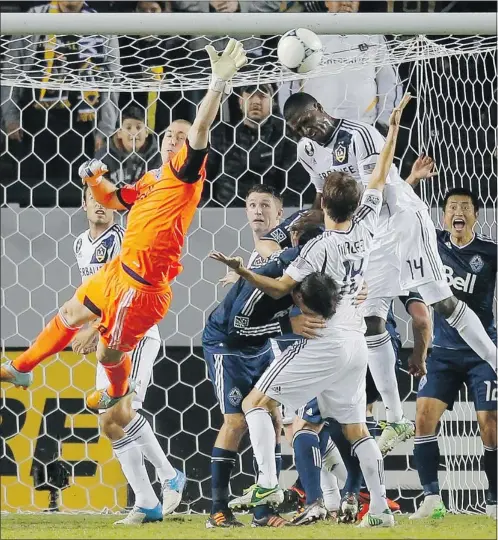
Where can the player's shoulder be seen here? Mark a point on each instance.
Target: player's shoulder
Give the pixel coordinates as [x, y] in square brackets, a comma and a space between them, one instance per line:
[78, 242]
[486, 241]
[442, 236]
[362, 135]
[306, 150]
[288, 222]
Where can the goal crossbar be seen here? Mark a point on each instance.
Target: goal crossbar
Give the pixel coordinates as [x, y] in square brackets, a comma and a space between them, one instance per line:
[240, 24]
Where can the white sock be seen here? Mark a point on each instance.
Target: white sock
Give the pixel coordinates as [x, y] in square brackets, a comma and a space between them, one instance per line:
[332, 462]
[330, 490]
[382, 364]
[470, 328]
[140, 431]
[131, 460]
[372, 467]
[262, 434]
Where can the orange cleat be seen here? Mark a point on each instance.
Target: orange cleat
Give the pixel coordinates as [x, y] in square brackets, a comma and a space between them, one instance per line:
[100, 399]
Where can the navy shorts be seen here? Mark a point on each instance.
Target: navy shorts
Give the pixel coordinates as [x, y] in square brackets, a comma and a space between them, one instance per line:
[448, 369]
[234, 376]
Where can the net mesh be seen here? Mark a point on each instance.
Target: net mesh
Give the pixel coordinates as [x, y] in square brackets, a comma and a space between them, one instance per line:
[58, 114]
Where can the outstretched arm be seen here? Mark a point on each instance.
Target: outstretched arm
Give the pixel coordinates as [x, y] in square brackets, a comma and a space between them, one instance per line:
[385, 160]
[424, 167]
[276, 288]
[103, 191]
[223, 67]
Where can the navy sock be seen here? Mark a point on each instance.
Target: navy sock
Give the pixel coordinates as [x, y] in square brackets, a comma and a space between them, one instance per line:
[372, 426]
[490, 457]
[355, 476]
[306, 446]
[426, 457]
[222, 463]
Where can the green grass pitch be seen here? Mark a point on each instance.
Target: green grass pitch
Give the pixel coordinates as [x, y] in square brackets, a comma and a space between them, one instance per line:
[192, 526]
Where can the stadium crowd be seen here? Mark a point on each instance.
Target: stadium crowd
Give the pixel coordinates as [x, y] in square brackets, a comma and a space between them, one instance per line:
[47, 134]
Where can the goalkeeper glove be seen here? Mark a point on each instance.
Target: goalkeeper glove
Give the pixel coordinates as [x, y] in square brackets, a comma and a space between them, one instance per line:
[91, 172]
[226, 65]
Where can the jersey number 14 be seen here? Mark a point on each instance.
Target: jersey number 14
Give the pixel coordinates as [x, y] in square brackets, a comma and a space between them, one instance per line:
[354, 273]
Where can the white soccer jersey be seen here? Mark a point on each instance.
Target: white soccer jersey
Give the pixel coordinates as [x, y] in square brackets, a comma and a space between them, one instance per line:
[354, 148]
[366, 92]
[91, 255]
[343, 255]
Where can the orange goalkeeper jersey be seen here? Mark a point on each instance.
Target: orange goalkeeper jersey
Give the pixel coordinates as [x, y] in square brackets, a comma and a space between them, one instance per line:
[162, 205]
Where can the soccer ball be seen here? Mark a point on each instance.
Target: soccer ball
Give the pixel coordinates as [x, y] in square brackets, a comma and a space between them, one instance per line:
[300, 50]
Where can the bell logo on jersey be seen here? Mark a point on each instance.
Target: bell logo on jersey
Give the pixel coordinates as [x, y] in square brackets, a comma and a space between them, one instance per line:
[465, 284]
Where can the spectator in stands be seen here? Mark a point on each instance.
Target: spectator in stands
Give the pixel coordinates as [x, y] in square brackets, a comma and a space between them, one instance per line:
[133, 150]
[368, 94]
[254, 151]
[53, 131]
[154, 58]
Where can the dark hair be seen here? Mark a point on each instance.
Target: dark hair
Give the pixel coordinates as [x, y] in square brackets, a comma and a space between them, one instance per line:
[132, 112]
[307, 232]
[463, 192]
[340, 196]
[85, 191]
[320, 294]
[265, 188]
[296, 103]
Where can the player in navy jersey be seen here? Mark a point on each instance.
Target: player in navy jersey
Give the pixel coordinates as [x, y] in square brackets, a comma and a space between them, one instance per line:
[470, 266]
[237, 349]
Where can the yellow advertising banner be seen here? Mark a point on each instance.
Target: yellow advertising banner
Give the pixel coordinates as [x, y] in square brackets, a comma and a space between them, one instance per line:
[50, 421]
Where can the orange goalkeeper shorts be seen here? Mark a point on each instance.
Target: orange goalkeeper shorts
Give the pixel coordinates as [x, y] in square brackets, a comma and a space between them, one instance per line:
[126, 312]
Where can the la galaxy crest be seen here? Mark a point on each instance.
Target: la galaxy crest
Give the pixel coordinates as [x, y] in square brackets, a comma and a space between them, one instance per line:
[476, 263]
[77, 248]
[101, 253]
[341, 148]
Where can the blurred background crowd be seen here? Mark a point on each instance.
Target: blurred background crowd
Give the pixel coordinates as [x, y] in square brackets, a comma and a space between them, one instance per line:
[46, 133]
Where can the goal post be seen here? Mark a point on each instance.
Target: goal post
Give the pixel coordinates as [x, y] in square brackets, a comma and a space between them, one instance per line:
[447, 61]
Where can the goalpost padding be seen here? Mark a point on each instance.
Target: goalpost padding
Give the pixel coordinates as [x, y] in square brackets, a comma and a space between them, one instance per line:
[453, 80]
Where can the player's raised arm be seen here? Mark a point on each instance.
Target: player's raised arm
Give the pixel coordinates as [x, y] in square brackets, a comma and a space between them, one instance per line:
[104, 192]
[223, 68]
[385, 159]
[276, 288]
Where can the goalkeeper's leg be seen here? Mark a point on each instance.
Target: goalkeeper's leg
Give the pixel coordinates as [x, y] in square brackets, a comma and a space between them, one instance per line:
[55, 337]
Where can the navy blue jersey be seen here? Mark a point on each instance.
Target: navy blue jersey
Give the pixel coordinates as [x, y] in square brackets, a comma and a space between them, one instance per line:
[247, 317]
[281, 233]
[471, 273]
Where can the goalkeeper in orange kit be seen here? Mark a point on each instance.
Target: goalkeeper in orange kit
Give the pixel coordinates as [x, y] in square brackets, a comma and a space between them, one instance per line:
[132, 292]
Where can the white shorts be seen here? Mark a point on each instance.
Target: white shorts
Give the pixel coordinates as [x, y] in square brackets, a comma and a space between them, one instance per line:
[142, 362]
[330, 369]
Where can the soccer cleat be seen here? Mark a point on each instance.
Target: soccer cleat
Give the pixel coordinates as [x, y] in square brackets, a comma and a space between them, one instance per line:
[9, 374]
[491, 510]
[294, 499]
[100, 399]
[395, 433]
[172, 492]
[223, 520]
[431, 507]
[140, 516]
[257, 496]
[348, 511]
[271, 520]
[386, 519]
[315, 511]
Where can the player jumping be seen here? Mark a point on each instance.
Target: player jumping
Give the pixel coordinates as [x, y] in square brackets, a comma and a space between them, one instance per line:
[331, 366]
[406, 256]
[131, 435]
[132, 292]
[470, 267]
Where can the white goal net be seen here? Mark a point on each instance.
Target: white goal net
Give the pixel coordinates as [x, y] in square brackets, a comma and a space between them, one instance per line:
[63, 98]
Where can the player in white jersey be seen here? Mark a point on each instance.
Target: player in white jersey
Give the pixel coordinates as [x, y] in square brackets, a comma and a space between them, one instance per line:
[333, 365]
[405, 257]
[131, 435]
